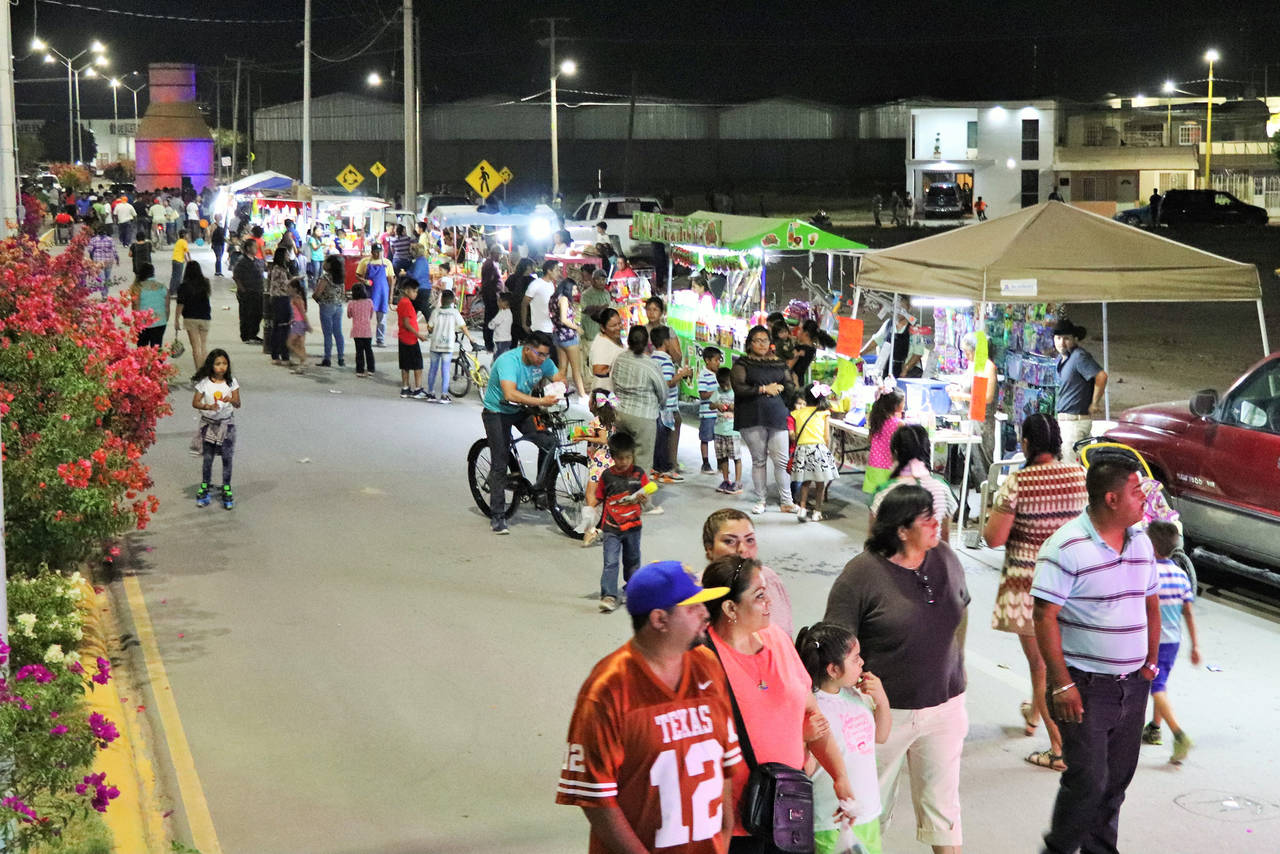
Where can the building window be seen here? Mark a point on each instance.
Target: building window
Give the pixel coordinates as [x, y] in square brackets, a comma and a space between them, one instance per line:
[1030, 139]
[1189, 134]
[1030, 187]
[971, 135]
[1093, 133]
[1089, 189]
[1173, 181]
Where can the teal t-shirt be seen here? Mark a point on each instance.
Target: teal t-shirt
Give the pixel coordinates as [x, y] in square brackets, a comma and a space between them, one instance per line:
[154, 299]
[510, 366]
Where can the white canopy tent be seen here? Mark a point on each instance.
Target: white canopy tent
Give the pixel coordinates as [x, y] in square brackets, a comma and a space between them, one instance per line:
[1053, 252]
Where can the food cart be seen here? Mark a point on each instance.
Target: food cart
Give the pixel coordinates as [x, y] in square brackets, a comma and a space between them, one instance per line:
[345, 220]
[739, 248]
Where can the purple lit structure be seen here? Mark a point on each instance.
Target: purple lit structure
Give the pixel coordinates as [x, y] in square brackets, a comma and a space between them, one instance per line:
[173, 141]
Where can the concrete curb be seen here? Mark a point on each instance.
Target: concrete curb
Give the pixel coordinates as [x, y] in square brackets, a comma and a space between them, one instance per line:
[134, 819]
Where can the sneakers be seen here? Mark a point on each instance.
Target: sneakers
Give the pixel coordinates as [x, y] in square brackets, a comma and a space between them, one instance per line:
[815, 516]
[430, 398]
[725, 487]
[202, 496]
[406, 393]
[789, 508]
[418, 394]
[360, 374]
[324, 363]
[608, 604]
[707, 469]
[444, 398]
[735, 489]
[499, 526]
[228, 500]
[758, 508]
[342, 363]
[1151, 734]
[1181, 746]
[655, 510]
[802, 515]
[667, 477]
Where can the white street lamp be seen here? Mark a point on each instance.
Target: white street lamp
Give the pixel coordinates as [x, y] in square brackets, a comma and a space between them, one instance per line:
[374, 79]
[52, 55]
[1211, 56]
[570, 68]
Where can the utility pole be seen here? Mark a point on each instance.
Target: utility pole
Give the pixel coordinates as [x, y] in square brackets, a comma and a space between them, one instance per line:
[631, 132]
[8, 159]
[217, 119]
[412, 202]
[235, 123]
[410, 123]
[248, 118]
[553, 71]
[306, 95]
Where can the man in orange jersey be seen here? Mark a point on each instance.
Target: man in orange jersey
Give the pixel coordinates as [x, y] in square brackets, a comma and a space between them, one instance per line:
[652, 747]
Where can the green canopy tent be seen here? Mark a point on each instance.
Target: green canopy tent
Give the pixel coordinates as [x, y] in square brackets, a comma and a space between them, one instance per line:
[716, 240]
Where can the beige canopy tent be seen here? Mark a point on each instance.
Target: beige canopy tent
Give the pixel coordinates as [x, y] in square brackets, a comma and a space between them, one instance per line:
[1053, 252]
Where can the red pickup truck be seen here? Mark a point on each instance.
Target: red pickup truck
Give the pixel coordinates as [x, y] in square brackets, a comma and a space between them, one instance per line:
[1219, 460]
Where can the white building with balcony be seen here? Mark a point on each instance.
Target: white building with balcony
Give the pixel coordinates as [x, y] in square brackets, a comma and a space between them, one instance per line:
[1002, 152]
[115, 139]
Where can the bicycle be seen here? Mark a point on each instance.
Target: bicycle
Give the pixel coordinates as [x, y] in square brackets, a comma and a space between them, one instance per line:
[564, 489]
[467, 370]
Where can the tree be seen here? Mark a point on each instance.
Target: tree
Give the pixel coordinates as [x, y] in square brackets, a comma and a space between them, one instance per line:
[54, 138]
[1275, 147]
[30, 152]
[119, 171]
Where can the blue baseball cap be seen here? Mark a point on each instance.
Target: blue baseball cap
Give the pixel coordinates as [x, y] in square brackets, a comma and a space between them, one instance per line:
[665, 584]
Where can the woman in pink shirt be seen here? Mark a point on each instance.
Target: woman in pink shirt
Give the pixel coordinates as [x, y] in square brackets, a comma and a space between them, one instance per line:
[360, 310]
[774, 694]
[730, 532]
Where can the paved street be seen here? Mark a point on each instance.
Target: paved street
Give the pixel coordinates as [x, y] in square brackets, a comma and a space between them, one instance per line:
[361, 667]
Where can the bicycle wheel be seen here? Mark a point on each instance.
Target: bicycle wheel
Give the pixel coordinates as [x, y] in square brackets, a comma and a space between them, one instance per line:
[478, 480]
[481, 376]
[567, 493]
[460, 382]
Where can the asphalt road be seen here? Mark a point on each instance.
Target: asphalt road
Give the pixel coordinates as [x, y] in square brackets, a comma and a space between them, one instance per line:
[361, 667]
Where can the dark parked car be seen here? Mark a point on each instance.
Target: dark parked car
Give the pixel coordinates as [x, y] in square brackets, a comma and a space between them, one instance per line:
[943, 200]
[1210, 207]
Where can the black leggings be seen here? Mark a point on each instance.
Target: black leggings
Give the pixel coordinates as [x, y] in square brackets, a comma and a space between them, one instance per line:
[281, 315]
[364, 353]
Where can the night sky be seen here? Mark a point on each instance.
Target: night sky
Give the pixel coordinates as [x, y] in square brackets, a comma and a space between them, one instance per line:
[849, 53]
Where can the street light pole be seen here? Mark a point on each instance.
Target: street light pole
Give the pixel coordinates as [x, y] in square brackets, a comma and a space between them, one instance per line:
[567, 67]
[1168, 112]
[1211, 56]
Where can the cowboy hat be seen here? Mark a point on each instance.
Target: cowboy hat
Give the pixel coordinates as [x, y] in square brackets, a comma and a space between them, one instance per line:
[1066, 327]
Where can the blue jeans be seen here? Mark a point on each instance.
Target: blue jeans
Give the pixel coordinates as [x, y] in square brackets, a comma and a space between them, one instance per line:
[442, 362]
[500, 347]
[1101, 754]
[624, 545]
[331, 326]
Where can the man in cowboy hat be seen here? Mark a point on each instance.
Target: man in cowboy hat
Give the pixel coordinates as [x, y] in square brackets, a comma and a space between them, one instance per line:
[1081, 383]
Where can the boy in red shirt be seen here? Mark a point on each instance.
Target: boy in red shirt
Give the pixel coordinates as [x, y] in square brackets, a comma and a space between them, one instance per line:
[409, 336]
[621, 507]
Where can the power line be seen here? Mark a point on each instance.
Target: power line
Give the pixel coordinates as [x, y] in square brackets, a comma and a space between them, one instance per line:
[189, 19]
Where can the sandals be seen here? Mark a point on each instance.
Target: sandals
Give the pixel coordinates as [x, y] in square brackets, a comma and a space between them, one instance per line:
[1045, 759]
[1028, 714]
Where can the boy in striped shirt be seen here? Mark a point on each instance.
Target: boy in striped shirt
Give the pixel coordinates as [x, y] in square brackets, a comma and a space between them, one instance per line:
[712, 359]
[1176, 596]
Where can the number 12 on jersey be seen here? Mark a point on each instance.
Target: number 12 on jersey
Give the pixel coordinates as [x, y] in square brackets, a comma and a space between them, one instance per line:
[665, 774]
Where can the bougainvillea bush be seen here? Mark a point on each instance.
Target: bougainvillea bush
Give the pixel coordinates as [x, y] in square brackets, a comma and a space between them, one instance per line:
[49, 734]
[79, 403]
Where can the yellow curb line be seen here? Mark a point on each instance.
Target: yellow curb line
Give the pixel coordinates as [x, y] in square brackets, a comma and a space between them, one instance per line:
[134, 827]
[199, 819]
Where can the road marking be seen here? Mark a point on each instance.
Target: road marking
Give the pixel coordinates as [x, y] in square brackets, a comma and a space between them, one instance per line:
[203, 836]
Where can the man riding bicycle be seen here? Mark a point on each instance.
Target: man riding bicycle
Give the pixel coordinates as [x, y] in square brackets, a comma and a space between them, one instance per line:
[507, 403]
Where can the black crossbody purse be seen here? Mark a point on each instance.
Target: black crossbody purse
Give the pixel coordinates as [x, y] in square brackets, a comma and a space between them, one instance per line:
[777, 803]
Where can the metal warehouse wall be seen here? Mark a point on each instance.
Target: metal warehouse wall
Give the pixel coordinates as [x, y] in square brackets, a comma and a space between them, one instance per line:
[833, 166]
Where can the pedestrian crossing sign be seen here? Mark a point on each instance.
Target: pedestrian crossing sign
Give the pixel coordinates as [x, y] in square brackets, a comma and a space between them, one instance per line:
[378, 169]
[350, 178]
[484, 179]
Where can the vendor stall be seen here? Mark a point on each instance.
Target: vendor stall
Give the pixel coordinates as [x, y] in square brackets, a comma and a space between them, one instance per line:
[738, 248]
[1015, 272]
[265, 199]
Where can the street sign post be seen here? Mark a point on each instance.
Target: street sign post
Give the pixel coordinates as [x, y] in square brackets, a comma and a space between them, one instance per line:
[350, 178]
[484, 179]
[378, 171]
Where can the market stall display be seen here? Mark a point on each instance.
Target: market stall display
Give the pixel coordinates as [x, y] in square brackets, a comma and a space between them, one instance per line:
[738, 249]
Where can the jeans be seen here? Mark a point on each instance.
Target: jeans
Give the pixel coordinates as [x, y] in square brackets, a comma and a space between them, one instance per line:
[364, 353]
[171, 231]
[126, 232]
[281, 315]
[1101, 753]
[490, 312]
[226, 450]
[761, 441]
[500, 347]
[217, 257]
[442, 362]
[624, 545]
[661, 447]
[175, 276]
[381, 330]
[313, 274]
[497, 428]
[250, 303]
[331, 327]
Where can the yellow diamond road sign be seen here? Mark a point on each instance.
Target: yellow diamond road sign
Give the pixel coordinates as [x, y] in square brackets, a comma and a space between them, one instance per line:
[484, 179]
[378, 169]
[506, 175]
[350, 178]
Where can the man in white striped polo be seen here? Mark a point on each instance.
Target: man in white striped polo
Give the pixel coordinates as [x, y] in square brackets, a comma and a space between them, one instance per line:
[1097, 620]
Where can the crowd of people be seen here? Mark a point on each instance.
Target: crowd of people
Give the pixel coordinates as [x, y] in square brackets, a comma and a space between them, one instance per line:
[689, 735]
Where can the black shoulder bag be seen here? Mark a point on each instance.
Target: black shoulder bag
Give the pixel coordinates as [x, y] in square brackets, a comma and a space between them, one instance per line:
[777, 803]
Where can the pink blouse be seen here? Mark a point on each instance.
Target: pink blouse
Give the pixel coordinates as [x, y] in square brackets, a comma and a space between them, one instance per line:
[361, 313]
[880, 456]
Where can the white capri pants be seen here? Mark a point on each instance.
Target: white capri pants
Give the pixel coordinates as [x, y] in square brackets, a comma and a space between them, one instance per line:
[928, 741]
